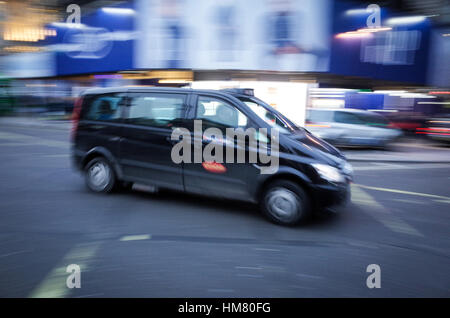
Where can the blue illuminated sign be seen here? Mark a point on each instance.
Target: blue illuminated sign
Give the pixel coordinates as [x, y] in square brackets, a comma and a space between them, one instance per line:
[103, 42]
[397, 50]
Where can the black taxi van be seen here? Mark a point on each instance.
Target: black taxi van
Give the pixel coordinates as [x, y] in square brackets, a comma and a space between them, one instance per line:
[122, 136]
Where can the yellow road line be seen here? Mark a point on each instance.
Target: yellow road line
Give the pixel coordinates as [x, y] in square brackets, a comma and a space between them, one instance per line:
[54, 284]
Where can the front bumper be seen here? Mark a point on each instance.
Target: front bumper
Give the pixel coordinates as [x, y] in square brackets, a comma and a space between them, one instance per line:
[331, 195]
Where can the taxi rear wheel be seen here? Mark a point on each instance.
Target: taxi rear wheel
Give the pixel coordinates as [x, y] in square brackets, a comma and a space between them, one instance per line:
[285, 202]
[100, 176]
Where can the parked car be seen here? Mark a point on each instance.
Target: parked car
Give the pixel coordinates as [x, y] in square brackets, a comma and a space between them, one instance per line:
[351, 127]
[122, 136]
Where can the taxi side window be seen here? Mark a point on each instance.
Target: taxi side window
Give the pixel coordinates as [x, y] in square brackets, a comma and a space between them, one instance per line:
[156, 109]
[216, 112]
[103, 108]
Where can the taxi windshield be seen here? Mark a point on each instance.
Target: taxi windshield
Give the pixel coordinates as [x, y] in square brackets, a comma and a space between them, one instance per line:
[278, 121]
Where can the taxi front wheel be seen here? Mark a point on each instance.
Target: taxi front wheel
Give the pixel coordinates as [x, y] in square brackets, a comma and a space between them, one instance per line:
[285, 202]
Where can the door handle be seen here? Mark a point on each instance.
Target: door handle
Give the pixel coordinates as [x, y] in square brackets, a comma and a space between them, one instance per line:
[115, 138]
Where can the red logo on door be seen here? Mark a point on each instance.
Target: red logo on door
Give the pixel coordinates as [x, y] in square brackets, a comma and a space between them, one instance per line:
[214, 167]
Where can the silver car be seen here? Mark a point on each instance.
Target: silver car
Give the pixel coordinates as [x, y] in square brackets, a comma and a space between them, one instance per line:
[351, 127]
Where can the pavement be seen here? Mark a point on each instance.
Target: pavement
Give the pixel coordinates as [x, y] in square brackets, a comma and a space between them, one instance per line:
[169, 244]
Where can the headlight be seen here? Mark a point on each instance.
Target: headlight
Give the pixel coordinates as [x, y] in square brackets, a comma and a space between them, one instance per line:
[347, 169]
[328, 173]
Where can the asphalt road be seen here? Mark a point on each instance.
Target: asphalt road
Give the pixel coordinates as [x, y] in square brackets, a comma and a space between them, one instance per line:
[167, 244]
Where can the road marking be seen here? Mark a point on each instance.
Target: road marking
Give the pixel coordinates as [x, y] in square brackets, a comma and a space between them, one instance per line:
[362, 244]
[136, 237]
[389, 166]
[250, 275]
[267, 249]
[248, 267]
[442, 201]
[309, 276]
[381, 214]
[54, 284]
[405, 192]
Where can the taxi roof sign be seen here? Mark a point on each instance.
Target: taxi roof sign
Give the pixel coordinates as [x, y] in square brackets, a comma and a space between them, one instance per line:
[241, 91]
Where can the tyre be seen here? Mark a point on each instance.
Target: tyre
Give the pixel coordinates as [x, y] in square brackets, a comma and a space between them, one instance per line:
[100, 176]
[285, 202]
